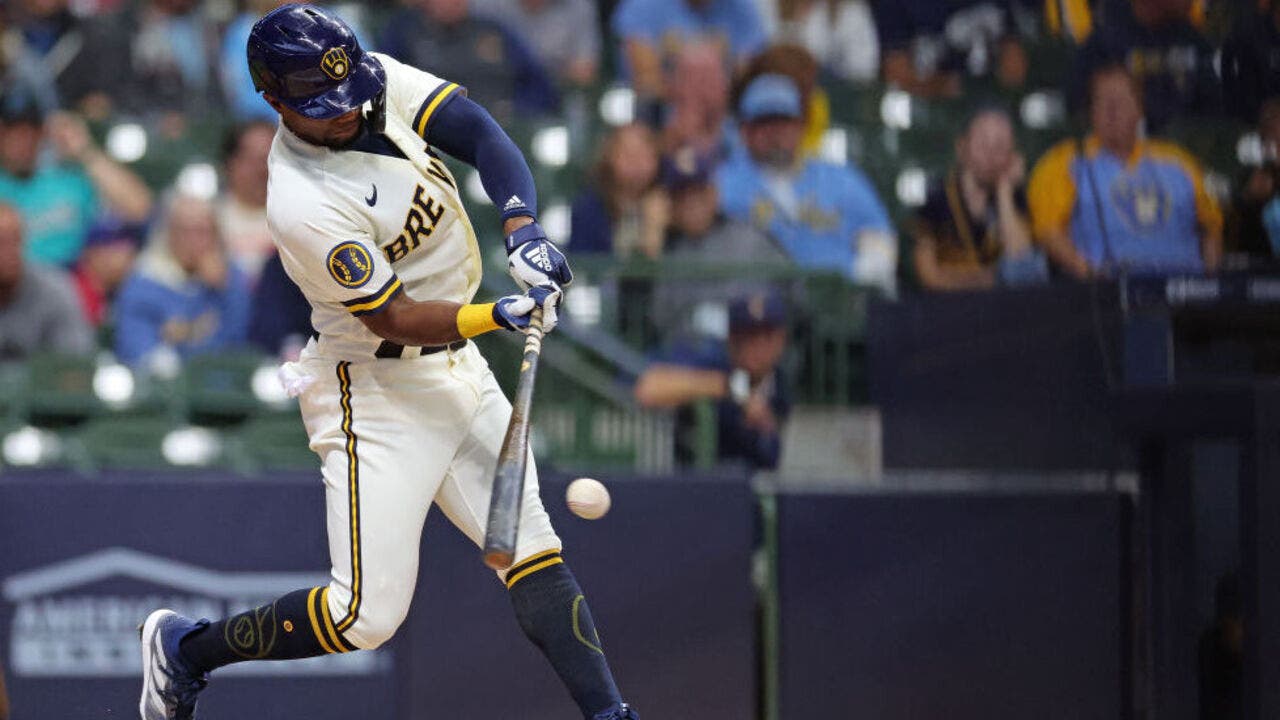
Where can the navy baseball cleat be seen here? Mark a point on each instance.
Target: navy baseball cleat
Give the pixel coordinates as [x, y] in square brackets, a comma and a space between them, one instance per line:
[169, 689]
[621, 711]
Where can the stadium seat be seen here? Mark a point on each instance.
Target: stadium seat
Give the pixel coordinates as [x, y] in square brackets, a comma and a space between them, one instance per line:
[13, 382]
[275, 441]
[139, 443]
[217, 389]
[59, 391]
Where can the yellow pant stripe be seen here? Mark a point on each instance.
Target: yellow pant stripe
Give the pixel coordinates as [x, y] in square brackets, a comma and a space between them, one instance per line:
[353, 489]
[533, 569]
[315, 626]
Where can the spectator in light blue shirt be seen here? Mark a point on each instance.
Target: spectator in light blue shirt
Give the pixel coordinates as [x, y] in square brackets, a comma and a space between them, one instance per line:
[654, 31]
[825, 216]
[185, 297]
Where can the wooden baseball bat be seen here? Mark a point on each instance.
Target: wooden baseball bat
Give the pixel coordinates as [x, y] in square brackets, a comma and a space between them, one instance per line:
[508, 479]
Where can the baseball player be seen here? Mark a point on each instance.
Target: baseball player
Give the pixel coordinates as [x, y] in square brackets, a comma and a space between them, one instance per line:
[398, 404]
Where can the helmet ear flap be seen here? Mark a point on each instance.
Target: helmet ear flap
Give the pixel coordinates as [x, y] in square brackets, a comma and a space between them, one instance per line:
[263, 79]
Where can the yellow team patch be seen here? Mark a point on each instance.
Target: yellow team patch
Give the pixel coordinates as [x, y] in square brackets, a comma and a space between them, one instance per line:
[335, 63]
[350, 264]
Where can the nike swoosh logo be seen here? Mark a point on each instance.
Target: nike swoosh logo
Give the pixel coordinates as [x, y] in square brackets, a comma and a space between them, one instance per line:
[372, 199]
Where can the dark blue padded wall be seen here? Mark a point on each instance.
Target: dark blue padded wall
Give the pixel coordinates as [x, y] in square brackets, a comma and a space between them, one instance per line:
[902, 607]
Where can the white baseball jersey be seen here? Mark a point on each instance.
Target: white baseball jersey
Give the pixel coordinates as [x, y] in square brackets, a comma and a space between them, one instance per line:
[355, 227]
[358, 225]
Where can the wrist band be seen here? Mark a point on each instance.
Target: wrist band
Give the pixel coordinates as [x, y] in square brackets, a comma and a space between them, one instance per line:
[476, 319]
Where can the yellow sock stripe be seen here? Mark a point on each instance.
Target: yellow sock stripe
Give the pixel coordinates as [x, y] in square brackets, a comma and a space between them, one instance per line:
[533, 569]
[315, 626]
[327, 617]
[353, 489]
[526, 562]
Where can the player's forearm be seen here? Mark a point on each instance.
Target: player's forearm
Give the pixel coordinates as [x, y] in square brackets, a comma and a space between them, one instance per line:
[432, 322]
[668, 386]
[468, 132]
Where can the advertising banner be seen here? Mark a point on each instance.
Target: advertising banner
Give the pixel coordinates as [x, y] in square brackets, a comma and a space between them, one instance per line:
[667, 574]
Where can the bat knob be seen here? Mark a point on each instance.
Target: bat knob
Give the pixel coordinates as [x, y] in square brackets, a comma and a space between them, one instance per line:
[499, 559]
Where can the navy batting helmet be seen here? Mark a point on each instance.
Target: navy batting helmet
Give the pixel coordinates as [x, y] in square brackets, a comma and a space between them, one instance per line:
[308, 59]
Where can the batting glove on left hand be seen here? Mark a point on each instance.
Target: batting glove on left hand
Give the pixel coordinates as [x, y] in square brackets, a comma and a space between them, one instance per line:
[513, 311]
[533, 260]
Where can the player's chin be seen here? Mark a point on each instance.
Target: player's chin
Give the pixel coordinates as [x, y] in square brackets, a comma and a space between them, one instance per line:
[342, 130]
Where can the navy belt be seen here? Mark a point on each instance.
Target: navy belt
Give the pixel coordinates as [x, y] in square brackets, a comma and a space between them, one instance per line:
[389, 349]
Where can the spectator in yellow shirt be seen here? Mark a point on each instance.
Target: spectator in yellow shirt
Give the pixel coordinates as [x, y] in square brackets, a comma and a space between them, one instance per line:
[1117, 202]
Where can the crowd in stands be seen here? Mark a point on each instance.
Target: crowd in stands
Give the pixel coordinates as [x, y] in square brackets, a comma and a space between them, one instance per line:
[721, 159]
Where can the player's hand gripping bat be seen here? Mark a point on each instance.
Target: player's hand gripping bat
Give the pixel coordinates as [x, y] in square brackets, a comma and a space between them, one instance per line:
[508, 480]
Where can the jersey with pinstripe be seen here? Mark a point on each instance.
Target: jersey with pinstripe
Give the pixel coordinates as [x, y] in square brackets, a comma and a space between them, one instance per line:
[356, 226]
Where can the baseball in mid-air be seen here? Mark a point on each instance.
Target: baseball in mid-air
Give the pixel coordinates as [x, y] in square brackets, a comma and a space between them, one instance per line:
[587, 498]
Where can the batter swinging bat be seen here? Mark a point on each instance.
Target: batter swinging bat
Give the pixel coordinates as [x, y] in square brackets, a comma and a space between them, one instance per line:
[508, 479]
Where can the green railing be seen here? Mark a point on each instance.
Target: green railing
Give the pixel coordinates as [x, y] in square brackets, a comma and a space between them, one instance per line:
[827, 357]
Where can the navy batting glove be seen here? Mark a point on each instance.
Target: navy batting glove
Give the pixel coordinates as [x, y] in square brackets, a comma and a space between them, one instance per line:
[547, 296]
[532, 259]
[513, 311]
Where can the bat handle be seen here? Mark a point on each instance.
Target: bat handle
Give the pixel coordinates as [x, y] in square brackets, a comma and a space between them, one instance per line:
[533, 334]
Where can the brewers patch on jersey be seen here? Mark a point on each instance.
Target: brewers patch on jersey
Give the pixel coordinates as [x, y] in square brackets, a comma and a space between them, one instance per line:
[356, 226]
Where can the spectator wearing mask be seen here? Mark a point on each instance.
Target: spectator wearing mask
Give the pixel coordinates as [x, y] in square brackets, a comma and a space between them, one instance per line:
[110, 250]
[825, 216]
[1169, 58]
[564, 34]
[242, 208]
[185, 296]
[622, 211]
[974, 231]
[38, 308]
[700, 235]
[1115, 202]
[1251, 62]
[58, 200]
[1253, 224]
[652, 33]
[445, 38]
[839, 34]
[742, 376]
[930, 45]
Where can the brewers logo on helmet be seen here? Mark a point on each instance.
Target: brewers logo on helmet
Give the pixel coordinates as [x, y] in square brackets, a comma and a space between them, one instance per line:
[335, 63]
[310, 61]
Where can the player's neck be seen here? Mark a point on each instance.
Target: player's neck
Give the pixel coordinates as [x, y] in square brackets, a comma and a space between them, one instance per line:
[312, 138]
